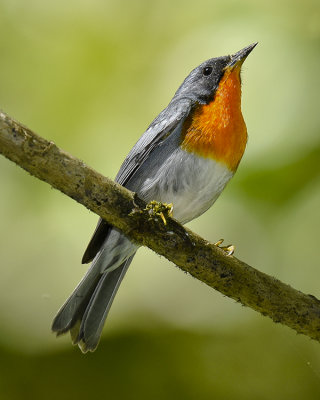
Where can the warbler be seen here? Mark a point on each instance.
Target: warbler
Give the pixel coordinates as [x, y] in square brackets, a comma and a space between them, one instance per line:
[185, 157]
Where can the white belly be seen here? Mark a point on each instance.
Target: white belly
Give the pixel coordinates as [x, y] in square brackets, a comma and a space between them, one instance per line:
[191, 183]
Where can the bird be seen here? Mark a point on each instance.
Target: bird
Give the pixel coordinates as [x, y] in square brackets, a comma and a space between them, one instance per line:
[185, 158]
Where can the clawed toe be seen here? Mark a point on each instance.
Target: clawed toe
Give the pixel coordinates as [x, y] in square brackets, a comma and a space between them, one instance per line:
[229, 249]
[163, 210]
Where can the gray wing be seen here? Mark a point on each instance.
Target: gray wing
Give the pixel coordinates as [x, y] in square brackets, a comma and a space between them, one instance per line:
[158, 131]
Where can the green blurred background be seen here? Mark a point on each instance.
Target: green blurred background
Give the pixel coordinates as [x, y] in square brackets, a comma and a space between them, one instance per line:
[91, 75]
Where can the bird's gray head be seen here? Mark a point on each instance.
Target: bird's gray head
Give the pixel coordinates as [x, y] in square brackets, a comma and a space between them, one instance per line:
[201, 84]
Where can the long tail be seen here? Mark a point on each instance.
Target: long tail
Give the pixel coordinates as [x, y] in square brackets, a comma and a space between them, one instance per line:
[87, 336]
[85, 311]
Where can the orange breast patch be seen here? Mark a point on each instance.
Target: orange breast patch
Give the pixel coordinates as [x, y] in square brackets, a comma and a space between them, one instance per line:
[217, 130]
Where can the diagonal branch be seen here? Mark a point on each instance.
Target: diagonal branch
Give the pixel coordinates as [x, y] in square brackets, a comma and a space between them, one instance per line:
[127, 212]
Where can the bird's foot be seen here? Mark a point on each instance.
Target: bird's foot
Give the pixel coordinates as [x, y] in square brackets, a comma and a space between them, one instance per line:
[163, 210]
[229, 250]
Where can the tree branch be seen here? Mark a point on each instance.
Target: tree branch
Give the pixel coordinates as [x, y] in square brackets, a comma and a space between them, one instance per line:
[127, 212]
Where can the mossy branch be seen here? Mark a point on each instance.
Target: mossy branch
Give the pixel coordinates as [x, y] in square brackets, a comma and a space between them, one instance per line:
[126, 211]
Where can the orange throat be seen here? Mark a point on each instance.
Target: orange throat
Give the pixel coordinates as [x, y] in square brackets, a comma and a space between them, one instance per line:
[217, 130]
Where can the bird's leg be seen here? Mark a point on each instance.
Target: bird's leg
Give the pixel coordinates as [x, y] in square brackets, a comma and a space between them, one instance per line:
[229, 250]
[162, 210]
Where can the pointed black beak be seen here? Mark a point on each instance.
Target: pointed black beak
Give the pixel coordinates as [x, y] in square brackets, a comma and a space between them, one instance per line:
[239, 57]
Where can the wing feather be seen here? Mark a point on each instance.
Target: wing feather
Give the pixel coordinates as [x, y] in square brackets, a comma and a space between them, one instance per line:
[159, 130]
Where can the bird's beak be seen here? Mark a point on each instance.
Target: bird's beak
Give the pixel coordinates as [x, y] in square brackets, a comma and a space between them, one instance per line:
[238, 58]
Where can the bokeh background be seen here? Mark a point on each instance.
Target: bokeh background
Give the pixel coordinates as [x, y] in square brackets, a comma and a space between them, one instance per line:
[91, 75]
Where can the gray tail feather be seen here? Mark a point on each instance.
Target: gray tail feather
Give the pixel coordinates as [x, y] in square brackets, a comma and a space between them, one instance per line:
[75, 306]
[86, 310]
[98, 307]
